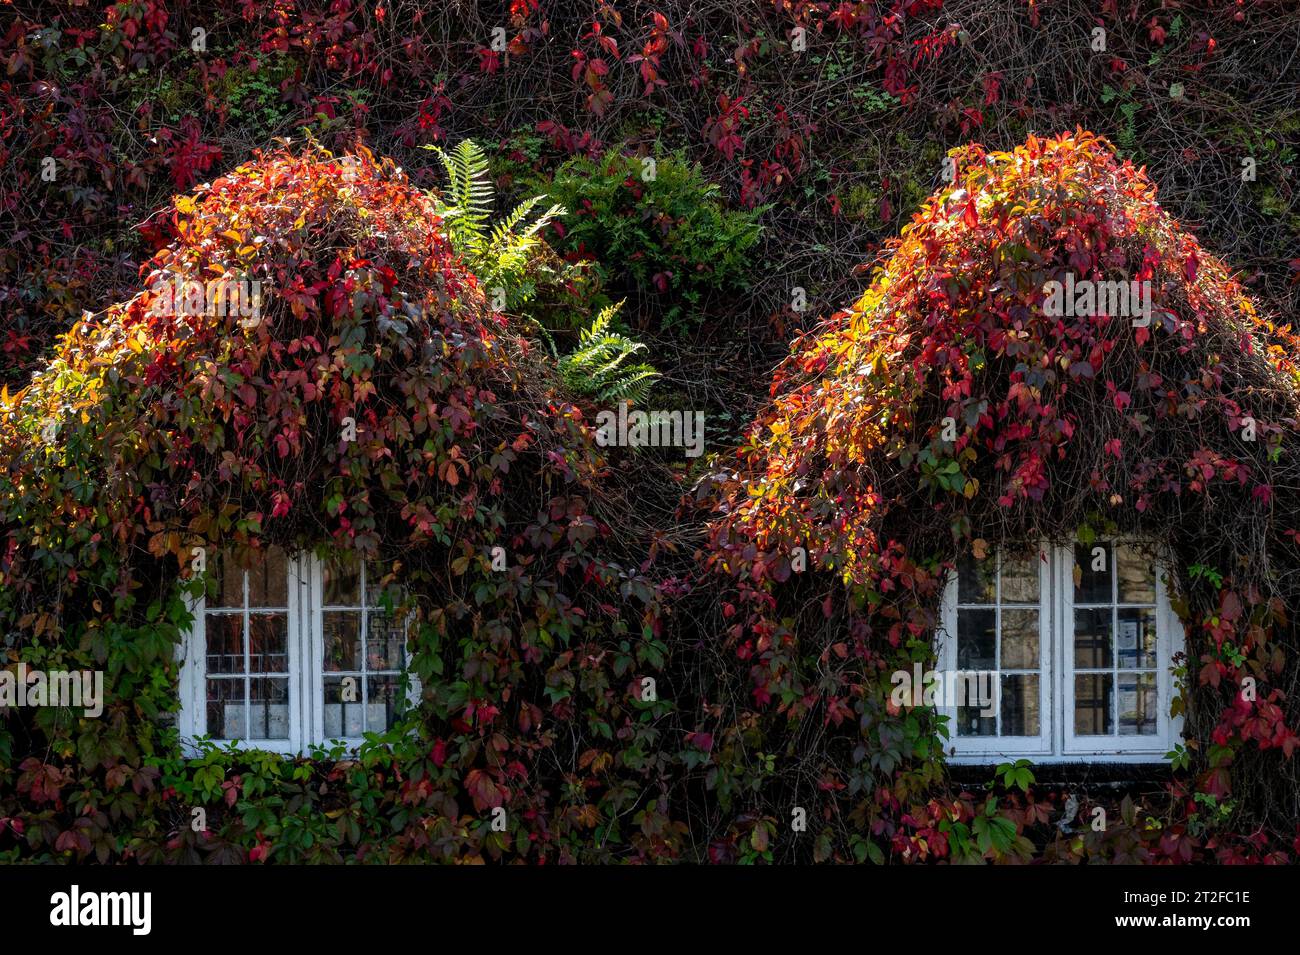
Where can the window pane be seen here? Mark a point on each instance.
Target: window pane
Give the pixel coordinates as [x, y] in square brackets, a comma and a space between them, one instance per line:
[976, 639]
[342, 640]
[1020, 704]
[269, 716]
[1137, 578]
[374, 579]
[268, 637]
[976, 580]
[343, 709]
[342, 577]
[382, 703]
[268, 578]
[226, 709]
[1092, 693]
[1092, 638]
[971, 720]
[229, 577]
[1020, 580]
[385, 643]
[1092, 586]
[1136, 639]
[1020, 639]
[224, 635]
[1137, 704]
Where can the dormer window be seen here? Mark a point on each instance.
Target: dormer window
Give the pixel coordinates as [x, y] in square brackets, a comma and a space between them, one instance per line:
[286, 652]
[1075, 646]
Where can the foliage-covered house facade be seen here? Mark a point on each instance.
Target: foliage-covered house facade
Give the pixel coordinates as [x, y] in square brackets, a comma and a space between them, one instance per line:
[364, 586]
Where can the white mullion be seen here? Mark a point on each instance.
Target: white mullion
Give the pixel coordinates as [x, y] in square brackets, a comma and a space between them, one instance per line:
[316, 639]
[1168, 626]
[997, 644]
[413, 688]
[947, 656]
[365, 626]
[248, 679]
[191, 689]
[199, 686]
[1057, 565]
[1043, 575]
[1113, 556]
[293, 586]
[1046, 725]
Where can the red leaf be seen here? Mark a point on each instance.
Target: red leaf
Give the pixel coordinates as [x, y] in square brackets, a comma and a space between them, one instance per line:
[482, 790]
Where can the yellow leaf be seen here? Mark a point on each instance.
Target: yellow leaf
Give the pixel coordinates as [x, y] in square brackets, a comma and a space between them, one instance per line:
[980, 548]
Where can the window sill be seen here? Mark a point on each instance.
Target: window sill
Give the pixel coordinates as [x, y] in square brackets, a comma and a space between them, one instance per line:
[1119, 771]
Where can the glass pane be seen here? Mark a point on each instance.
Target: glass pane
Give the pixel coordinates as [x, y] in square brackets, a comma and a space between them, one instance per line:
[975, 719]
[1092, 586]
[374, 574]
[1020, 580]
[224, 635]
[382, 703]
[1020, 639]
[1020, 704]
[342, 577]
[268, 639]
[342, 640]
[385, 643]
[269, 716]
[268, 578]
[1137, 577]
[1136, 639]
[343, 709]
[1137, 704]
[229, 588]
[226, 709]
[1092, 638]
[976, 639]
[976, 581]
[1092, 693]
[976, 689]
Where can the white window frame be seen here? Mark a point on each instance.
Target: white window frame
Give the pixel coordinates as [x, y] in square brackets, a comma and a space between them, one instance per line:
[316, 652]
[981, 748]
[1057, 741]
[306, 650]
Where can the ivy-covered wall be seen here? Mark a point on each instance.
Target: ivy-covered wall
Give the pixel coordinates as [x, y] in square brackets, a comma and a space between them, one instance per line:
[376, 404]
[651, 678]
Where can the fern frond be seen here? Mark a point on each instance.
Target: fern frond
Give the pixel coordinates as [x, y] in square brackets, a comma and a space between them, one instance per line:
[501, 256]
[516, 216]
[545, 219]
[469, 183]
[597, 367]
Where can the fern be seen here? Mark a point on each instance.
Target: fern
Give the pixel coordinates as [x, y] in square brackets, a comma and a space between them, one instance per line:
[510, 256]
[500, 255]
[599, 367]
